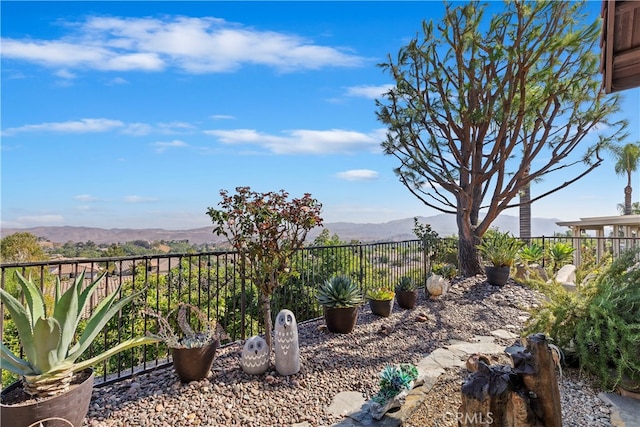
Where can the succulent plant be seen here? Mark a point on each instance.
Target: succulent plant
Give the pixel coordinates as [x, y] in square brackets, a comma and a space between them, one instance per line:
[381, 294]
[499, 249]
[48, 339]
[184, 336]
[339, 292]
[406, 283]
[531, 254]
[395, 379]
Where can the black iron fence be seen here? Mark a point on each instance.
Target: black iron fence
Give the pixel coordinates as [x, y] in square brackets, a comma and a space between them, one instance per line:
[213, 282]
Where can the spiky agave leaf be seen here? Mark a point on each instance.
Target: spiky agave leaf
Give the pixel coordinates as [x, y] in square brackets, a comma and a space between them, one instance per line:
[339, 292]
[21, 318]
[100, 316]
[46, 337]
[11, 362]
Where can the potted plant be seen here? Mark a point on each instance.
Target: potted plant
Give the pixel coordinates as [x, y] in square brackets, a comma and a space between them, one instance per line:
[192, 352]
[406, 292]
[340, 299]
[53, 384]
[381, 301]
[499, 251]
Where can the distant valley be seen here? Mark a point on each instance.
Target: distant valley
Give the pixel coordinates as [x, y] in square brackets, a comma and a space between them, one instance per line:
[401, 229]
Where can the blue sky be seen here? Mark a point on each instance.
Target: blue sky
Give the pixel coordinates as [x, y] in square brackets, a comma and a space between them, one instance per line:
[136, 114]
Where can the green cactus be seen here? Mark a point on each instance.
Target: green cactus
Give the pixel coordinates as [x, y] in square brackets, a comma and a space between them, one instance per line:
[48, 339]
[339, 292]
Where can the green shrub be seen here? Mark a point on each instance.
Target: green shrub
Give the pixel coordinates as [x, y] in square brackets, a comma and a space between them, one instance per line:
[600, 323]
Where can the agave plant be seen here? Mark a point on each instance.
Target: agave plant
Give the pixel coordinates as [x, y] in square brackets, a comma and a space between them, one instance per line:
[47, 338]
[499, 249]
[339, 292]
[406, 283]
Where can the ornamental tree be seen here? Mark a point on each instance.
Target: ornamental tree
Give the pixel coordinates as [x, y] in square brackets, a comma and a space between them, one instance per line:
[266, 229]
[485, 105]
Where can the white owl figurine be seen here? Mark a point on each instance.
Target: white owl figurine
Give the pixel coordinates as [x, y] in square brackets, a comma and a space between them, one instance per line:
[255, 356]
[286, 343]
[437, 285]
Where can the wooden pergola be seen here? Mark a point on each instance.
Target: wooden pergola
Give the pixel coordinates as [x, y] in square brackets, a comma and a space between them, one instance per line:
[620, 42]
[625, 227]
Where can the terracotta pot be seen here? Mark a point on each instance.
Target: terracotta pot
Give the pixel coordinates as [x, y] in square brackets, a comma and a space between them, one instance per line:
[407, 299]
[64, 410]
[381, 307]
[194, 364]
[497, 276]
[341, 320]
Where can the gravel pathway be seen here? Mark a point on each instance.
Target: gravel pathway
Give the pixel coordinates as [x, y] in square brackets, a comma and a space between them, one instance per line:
[332, 363]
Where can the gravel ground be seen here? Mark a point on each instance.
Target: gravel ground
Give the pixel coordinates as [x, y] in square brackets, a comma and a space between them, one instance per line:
[332, 363]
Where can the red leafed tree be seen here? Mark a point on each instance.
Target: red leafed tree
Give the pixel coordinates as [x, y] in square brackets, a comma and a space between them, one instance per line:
[265, 229]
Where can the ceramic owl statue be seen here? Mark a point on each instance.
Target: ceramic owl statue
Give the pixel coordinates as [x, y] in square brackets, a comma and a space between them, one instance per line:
[255, 356]
[286, 343]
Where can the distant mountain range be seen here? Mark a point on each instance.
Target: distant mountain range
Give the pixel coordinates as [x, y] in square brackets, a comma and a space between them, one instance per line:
[401, 229]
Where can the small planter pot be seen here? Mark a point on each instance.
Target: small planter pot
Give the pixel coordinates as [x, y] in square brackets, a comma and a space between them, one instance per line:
[341, 320]
[194, 364]
[381, 307]
[497, 276]
[64, 410]
[407, 299]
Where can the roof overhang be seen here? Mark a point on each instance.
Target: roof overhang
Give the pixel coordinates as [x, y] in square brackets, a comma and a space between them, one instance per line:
[595, 223]
[620, 42]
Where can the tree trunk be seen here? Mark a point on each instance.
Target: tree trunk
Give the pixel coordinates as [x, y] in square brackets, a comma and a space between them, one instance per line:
[467, 252]
[266, 307]
[627, 200]
[526, 395]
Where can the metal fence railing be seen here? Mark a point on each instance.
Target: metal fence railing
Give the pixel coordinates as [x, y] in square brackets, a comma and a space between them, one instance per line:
[213, 282]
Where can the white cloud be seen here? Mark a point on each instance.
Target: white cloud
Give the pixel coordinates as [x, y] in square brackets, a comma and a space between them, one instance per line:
[138, 199]
[358, 175]
[194, 45]
[222, 117]
[163, 146]
[371, 92]
[65, 74]
[75, 126]
[117, 81]
[175, 127]
[303, 141]
[137, 129]
[103, 125]
[38, 220]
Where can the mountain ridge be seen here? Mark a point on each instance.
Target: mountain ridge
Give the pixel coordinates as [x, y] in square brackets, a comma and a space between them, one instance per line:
[400, 229]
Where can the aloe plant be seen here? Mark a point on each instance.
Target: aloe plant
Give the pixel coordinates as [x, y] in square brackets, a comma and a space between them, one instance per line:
[48, 338]
[339, 292]
[405, 283]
